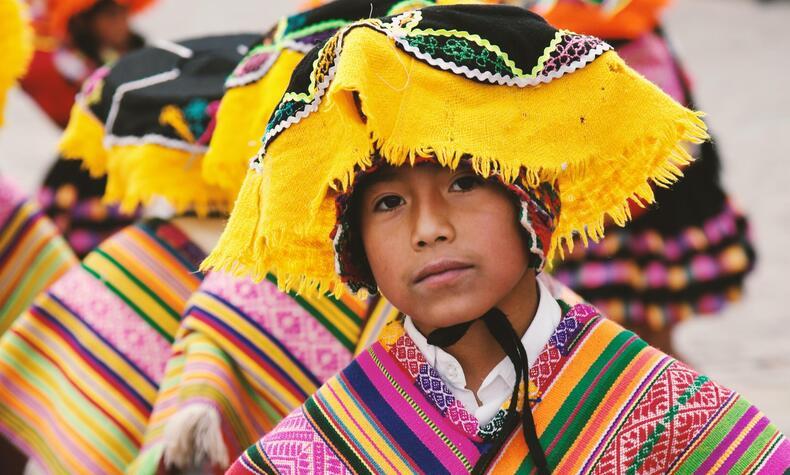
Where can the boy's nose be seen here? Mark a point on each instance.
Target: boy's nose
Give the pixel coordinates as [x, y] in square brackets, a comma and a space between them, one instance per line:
[431, 224]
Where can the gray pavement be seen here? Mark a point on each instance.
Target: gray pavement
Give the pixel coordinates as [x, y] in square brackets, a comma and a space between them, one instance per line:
[737, 53]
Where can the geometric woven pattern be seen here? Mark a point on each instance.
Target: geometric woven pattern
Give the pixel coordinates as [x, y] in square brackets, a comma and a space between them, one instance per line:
[296, 448]
[663, 421]
[608, 404]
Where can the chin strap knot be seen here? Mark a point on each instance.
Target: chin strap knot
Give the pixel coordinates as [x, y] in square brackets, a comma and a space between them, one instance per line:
[501, 329]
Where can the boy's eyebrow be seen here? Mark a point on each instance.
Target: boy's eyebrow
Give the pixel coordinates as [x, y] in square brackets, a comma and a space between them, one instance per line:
[383, 175]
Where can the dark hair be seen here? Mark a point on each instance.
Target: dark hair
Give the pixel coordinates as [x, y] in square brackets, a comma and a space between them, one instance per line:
[83, 37]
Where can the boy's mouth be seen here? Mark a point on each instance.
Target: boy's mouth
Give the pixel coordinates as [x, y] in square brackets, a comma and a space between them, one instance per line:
[441, 272]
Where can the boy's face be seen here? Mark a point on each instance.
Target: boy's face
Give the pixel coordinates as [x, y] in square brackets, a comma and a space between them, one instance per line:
[444, 246]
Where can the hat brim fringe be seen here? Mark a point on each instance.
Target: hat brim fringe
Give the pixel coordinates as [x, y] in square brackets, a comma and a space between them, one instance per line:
[289, 200]
[138, 174]
[83, 140]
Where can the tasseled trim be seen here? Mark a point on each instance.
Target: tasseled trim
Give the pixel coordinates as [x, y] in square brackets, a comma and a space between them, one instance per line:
[137, 174]
[83, 140]
[193, 439]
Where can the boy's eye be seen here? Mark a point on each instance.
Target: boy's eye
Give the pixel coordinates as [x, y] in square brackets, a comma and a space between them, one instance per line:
[466, 183]
[388, 203]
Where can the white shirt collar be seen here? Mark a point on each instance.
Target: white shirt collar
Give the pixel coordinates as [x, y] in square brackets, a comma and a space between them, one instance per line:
[497, 387]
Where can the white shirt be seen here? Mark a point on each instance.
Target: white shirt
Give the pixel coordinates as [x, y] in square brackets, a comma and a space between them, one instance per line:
[497, 387]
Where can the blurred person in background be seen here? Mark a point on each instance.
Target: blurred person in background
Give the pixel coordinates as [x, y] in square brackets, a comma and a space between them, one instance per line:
[81, 366]
[73, 38]
[689, 253]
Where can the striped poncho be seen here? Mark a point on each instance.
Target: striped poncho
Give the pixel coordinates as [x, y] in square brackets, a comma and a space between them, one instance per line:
[32, 253]
[249, 354]
[80, 370]
[606, 403]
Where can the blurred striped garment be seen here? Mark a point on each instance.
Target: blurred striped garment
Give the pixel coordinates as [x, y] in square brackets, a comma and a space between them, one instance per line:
[81, 368]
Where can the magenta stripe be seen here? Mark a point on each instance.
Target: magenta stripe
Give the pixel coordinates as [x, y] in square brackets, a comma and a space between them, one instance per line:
[150, 261]
[779, 460]
[352, 419]
[728, 440]
[401, 407]
[744, 445]
[445, 425]
[65, 439]
[714, 419]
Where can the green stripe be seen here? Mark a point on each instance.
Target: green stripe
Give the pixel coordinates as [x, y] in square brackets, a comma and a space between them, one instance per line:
[647, 447]
[25, 281]
[147, 228]
[315, 28]
[59, 388]
[170, 338]
[345, 341]
[713, 439]
[751, 454]
[255, 457]
[234, 418]
[662, 369]
[332, 437]
[582, 417]
[768, 453]
[427, 420]
[173, 313]
[403, 3]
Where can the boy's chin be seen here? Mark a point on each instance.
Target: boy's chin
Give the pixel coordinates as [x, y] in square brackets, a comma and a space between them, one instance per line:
[450, 311]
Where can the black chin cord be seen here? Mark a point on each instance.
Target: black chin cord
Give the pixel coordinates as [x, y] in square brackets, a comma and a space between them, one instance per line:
[500, 327]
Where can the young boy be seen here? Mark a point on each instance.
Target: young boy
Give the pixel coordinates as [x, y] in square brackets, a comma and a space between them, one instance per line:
[449, 153]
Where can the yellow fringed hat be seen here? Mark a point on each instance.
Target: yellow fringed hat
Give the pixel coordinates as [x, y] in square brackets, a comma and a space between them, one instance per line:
[147, 120]
[492, 85]
[257, 84]
[16, 44]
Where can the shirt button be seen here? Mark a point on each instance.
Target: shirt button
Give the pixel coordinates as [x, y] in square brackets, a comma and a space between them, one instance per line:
[452, 373]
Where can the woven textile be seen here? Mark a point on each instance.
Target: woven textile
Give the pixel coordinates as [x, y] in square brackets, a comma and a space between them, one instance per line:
[253, 353]
[608, 403]
[32, 253]
[80, 370]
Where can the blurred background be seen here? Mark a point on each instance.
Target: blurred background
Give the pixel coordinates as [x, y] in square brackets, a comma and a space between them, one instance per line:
[736, 52]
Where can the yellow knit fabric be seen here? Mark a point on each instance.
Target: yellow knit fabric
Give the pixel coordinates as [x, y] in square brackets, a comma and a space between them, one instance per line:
[241, 121]
[16, 46]
[602, 133]
[245, 111]
[83, 140]
[137, 174]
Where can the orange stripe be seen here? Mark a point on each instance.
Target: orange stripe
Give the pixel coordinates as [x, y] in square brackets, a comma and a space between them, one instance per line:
[585, 354]
[39, 423]
[174, 298]
[614, 401]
